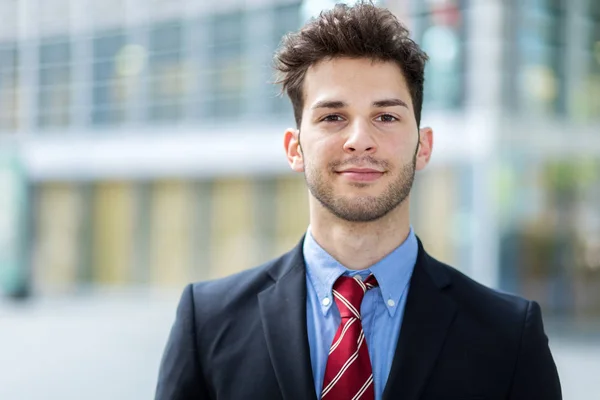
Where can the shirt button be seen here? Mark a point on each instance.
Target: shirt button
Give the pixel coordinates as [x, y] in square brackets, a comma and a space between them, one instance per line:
[326, 301]
[391, 303]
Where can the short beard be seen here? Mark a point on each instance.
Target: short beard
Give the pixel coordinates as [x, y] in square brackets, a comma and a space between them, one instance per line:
[367, 208]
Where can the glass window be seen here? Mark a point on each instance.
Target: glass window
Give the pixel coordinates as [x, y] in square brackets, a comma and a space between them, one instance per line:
[550, 250]
[540, 54]
[199, 73]
[584, 99]
[594, 35]
[54, 94]
[8, 87]
[167, 72]
[594, 10]
[439, 30]
[113, 63]
[594, 63]
[226, 80]
[286, 19]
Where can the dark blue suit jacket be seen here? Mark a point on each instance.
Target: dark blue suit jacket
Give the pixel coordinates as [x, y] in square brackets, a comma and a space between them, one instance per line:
[245, 337]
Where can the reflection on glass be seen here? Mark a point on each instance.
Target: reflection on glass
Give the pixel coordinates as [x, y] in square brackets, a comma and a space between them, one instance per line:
[8, 86]
[584, 98]
[286, 19]
[226, 85]
[54, 94]
[439, 31]
[540, 53]
[540, 87]
[441, 43]
[167, 72]
[111, 90]
[594, 64]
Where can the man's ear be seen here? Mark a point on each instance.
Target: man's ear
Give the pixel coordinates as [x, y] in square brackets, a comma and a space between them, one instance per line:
[293, 149]
[425, 147]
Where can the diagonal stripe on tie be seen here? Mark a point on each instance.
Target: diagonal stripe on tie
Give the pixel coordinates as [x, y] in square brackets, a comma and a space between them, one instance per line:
[364, 388]
[346, 303]
[344, 330]
[361, 283]
[348, 374]
[340, 374]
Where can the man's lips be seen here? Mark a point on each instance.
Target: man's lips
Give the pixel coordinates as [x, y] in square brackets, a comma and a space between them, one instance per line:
[361, 170]
[361, 174]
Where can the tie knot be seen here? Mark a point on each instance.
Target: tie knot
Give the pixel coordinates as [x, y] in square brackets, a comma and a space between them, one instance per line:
[349, 292]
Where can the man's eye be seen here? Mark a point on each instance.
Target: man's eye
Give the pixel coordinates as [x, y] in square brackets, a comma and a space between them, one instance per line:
[387, 118]
[332, 118]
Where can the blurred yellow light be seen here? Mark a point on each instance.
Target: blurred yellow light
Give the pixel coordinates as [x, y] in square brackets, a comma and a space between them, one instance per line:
[541, 83]
[130, 60]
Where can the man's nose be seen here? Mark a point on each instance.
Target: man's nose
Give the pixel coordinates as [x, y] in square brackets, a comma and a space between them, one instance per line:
[360, 138]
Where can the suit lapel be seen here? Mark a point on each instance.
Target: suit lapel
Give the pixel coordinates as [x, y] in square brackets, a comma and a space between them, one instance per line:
[283, 313]
[427, 317]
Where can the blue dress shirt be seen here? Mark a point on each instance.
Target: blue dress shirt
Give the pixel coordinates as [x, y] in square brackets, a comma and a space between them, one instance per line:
[382, 308]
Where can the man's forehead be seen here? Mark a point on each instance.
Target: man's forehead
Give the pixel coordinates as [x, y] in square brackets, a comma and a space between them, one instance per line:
[342, 79]
[335, 65]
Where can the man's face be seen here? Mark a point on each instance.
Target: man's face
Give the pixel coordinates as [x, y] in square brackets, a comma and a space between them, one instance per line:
[358, 138]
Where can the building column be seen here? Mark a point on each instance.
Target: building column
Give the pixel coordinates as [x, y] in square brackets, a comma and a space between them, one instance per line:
[484, 78]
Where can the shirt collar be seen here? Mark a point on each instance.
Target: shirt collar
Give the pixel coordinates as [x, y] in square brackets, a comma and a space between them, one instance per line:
[393, 272]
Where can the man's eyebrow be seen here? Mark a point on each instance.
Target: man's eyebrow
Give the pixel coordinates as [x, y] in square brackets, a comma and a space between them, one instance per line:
[329, 104]
[389, 103]
[337, 104]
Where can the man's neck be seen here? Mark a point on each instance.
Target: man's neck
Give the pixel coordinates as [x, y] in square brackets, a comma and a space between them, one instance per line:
[359, 245]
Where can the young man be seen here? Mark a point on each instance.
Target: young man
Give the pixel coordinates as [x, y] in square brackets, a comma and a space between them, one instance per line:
[358, 310]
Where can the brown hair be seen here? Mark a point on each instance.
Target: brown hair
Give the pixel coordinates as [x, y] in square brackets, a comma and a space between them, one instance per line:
[361, 31]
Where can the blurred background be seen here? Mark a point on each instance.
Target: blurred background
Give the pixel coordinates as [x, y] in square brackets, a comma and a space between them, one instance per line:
[141, 149]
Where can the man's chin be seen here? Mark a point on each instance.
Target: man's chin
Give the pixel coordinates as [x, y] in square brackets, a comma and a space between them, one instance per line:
[359, 200]
[358, 215]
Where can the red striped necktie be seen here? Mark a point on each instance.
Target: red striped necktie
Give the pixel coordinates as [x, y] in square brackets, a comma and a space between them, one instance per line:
[348, 374]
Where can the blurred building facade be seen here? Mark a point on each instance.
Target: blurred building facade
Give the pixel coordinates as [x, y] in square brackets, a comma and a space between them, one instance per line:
[141, 142]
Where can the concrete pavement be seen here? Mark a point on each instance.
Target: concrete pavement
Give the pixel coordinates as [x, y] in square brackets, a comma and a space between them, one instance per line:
[107, 345]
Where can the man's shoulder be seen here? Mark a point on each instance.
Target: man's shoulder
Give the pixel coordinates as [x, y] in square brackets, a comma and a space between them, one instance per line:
[242, 281]
[486, 304]
[239, 287]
